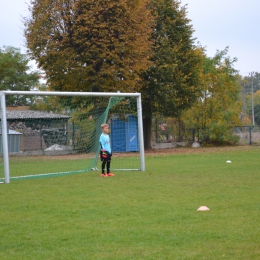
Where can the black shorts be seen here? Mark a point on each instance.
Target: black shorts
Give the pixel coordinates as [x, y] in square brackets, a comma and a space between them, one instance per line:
[105, 156]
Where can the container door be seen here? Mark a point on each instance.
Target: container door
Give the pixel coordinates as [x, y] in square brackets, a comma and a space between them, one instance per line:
[118, 142]
[132, 134]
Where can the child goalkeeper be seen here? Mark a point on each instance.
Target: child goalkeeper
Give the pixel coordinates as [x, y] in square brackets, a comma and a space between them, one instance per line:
[105, 152]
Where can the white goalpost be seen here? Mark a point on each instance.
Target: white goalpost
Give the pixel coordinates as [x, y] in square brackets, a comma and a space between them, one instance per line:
[60, 132]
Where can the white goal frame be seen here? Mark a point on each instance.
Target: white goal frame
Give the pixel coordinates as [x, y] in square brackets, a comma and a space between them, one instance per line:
[53, 93]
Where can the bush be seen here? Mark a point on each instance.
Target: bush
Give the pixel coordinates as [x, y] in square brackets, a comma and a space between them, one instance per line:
[218, 135]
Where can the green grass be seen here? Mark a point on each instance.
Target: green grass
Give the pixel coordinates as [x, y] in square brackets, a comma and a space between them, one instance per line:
[139, 215]
[36, 165]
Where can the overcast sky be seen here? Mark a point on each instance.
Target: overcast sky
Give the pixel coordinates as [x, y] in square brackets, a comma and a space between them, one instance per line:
[217, 24]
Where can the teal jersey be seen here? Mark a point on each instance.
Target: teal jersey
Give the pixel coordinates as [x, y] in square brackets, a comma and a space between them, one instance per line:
[105, 142]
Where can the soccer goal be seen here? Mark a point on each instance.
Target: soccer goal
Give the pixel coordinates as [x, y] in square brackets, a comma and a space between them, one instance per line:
[59, 133]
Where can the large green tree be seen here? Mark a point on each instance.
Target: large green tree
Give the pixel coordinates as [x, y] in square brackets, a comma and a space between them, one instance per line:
[15, 74]
[86, 45]
[171, 82]
[218, 108]
[128, 45]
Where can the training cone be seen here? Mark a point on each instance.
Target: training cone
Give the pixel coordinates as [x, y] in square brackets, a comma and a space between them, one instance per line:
[228, 161]
[203, 208]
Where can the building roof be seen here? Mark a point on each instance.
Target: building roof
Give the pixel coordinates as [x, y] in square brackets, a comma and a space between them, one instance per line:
[33, 114]
[12, 132]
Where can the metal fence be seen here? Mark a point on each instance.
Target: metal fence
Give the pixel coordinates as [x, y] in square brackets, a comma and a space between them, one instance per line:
[248, 134]
[177, 132]
[173, 131]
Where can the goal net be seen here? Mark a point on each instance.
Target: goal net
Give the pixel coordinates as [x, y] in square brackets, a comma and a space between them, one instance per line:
[59, 133]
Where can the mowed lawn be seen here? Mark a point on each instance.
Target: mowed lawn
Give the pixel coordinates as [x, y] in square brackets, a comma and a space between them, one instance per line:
[139, 215]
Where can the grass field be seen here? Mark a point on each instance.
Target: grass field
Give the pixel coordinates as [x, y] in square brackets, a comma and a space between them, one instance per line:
[139, 215]
[27, 166]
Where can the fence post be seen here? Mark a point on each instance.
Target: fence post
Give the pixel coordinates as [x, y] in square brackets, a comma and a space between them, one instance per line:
[156, 134]
[250, 134]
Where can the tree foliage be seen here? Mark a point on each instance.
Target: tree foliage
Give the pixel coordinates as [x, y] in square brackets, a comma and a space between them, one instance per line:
[15, 74]
[128, 45]
[171, 82]
[217, 109]
[252, 78]
[257, 114]
[250, 96]
[86, 45]
[256, 104]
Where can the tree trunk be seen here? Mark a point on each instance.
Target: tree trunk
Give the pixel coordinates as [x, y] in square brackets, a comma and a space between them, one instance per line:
[147, 127]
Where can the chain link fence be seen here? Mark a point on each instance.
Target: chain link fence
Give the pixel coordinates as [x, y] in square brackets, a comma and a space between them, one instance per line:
[248, 135]
[172, 131]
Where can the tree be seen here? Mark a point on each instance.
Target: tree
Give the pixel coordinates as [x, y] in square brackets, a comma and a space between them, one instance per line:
[256, 98]
[217, 109]
[257, 114]
[172, 79]
[127, 45]
[246, 83]
[15, 75]
[86, 45]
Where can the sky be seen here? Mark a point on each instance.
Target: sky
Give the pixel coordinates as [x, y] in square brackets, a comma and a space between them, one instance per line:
[232, 23]
[217, 24]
